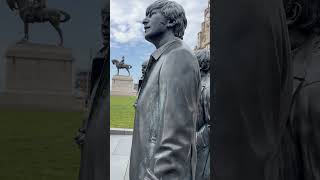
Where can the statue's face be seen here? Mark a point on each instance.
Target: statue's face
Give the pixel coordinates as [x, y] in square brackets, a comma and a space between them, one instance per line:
[155, 24]
[204, 65]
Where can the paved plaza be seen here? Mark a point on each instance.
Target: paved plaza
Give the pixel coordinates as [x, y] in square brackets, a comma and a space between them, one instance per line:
[120, 147]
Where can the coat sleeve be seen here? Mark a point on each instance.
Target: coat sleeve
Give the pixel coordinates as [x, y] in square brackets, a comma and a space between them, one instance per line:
[203, 134]
[179, 81]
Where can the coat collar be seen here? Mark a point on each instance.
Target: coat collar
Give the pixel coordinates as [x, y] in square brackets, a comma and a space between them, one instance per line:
[157, 53]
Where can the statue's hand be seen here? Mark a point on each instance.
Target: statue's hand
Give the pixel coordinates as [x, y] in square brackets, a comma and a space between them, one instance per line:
[80, 137]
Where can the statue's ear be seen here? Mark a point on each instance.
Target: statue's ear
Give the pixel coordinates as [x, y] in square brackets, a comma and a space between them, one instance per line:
[293, 13]
[171, 23]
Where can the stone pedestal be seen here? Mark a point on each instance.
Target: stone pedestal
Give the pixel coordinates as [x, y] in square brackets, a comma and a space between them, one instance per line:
[122, 86]
[39, 76]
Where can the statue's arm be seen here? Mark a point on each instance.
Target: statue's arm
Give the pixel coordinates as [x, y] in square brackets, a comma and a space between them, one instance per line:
[203, 134]
[179, 81]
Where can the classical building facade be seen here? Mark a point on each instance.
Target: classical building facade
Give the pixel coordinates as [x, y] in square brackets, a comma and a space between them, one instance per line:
[204, 34]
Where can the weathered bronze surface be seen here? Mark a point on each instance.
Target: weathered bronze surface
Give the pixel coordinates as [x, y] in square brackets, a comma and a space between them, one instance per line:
[163, 145]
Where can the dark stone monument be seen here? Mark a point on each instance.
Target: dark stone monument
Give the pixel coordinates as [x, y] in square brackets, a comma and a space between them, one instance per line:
[163, 145]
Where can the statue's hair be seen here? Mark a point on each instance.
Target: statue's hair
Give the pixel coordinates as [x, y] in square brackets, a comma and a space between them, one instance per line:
[309, 19]
[172, 11]
[203, 55]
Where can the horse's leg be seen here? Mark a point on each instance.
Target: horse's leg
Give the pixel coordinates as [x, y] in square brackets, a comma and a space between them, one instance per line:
[128, 71]
[118, 71]
[55, 24]
[26, 32]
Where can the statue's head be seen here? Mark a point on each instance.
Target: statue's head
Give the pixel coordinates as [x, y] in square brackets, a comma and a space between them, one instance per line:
[105, 24]
[163, 16]
[303, 15]
[203, 57]
[144, 66]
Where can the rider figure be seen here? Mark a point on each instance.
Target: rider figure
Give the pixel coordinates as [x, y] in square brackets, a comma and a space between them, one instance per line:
[36, 7]
[122, 61]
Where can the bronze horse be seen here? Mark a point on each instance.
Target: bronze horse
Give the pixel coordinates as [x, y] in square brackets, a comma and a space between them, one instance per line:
[29, 13]
[121, 66]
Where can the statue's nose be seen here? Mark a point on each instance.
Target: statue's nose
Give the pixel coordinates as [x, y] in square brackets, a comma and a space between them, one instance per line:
[145, 21]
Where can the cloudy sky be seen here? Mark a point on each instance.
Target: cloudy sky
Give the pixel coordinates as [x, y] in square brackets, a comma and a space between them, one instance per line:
[127, 33]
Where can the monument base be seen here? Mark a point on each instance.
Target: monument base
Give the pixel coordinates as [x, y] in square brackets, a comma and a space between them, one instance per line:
[39, 76]
[122, 86]
[41, 101]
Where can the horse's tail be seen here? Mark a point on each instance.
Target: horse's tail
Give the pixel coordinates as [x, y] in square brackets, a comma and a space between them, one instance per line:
[66, 17]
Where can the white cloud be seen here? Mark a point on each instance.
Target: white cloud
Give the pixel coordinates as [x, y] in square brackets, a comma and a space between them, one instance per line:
[126, 17]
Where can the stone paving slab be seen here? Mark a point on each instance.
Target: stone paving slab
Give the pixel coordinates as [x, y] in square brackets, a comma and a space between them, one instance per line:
[120, 148]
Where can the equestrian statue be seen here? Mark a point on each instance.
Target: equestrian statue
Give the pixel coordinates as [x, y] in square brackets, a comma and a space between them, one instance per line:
[35, 11]
[121, 65]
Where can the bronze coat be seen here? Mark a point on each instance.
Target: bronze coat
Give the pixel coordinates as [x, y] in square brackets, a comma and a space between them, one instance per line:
[163, 145]
[252, 90]
[203, 130]
[95, 148]
[305, 119]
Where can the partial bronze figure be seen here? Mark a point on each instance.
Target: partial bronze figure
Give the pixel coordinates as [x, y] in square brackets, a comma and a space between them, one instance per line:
[93, 136]
[303, 19]
[36, 12]
[143, 72]
[252, 90]
[203, 121]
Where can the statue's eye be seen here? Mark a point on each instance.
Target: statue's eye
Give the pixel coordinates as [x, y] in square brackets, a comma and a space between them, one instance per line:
[151, 14]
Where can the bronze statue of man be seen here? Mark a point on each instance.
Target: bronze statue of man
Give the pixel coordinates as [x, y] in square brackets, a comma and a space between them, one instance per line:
[93, 137]
[37, 6]
[252, 90]
[163, 144]
[143, 72]
[122, 60]
[303, 19]
[203, 126]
